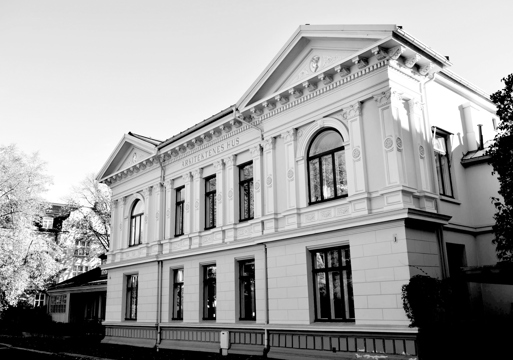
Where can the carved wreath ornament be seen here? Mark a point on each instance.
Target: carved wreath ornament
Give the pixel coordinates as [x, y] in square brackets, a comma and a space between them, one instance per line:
[399, 143]
[269, 180]
[422, 152]
[257, 186]
[290, 174]
[230, 194]
[388, 143]
[356, 153]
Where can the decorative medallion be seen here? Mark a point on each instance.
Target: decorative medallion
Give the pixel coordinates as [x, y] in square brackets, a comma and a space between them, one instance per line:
[219, 197]
[310, 217]
[145, 219]
[314, 63]
[196, 205]
[120, 226]
[134, 158]
[257, 186]
[168, 213]
[343, 210]
[187, 207]
[290, 174]
[356, 153]
[299, 133]
[230, 194]
[399, 143]
[388, 143]
[422, 152]
[269, 180]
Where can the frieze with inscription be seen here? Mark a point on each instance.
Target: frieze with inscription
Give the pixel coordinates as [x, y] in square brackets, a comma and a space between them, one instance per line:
[227, 145]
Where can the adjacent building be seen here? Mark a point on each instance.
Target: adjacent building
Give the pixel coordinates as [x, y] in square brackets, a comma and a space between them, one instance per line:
[287, 223]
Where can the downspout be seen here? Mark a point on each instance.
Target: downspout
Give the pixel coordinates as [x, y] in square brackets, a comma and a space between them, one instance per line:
[159, 304]
[159, 262]
[439, 231]
[266, 332]
[240, 117]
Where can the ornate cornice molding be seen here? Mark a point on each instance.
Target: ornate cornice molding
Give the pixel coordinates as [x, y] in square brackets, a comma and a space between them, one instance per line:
[386, 97]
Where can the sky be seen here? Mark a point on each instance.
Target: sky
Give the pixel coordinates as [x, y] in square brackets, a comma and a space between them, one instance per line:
[76, 75]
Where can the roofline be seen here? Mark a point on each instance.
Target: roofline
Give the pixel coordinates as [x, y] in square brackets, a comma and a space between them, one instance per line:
[476, 90]
[198, 126]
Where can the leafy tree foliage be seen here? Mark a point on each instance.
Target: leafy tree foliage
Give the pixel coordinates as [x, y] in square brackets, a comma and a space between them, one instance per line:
[501, 153]
[90, 215]
[27, 256]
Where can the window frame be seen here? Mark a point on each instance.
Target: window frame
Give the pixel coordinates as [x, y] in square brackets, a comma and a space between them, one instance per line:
[242, 278]
[58, 303]
[130, 297]
[209, 283]
[442, 134]
[178, 286]
[179, 210]
[210, 196]
[134, 217]
[331, 152]
[241, 193]
[326, 270]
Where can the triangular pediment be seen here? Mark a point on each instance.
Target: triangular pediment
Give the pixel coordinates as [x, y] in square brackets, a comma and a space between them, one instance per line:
[311, 50]
[129, 151]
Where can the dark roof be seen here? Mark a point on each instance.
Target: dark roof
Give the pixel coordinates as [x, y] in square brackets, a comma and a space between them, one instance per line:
[90, 278]
[476, 156]
[199, 125]
[150, 140]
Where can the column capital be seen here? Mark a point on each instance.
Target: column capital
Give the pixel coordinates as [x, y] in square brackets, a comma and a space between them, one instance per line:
[255, 151]
[147, 191]
[219, 165]
[387, 96]
[352, 111]
[268, 144]
[169, 184]
[187, 177]
[197, 173]
[230, 160]
[289, 135]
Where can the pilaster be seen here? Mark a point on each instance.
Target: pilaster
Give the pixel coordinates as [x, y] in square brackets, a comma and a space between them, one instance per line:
[233, 193]
[147, 210]
[269, 146]
[197, 218]
[169, 219]
[187, 178]
[388, 103]
[159, 196]
[220, 186]
[289, 174]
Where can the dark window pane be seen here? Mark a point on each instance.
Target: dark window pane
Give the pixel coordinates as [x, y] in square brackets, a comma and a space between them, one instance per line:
[323, 301]
[333, 258]
[319, 260]
[315, 181]
[340, 171]
[328, 184]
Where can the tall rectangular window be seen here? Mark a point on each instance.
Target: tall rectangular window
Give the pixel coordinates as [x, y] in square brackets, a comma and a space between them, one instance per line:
[443, 165]
[246, 192]
[210, 202]
[131, 297]
[247, 290]
[178, 294]
[180, 200]
[209, 292]
[333, 287]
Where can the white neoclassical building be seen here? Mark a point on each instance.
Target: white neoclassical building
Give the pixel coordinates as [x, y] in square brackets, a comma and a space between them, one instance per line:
[288, 223]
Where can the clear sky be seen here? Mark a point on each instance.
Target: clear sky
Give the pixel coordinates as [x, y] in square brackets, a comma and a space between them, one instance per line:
[75, 75]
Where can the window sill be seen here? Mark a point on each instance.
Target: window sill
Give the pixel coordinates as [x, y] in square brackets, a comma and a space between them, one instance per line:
[449, 200]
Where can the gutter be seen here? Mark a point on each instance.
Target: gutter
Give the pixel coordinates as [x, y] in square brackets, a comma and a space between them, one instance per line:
[198, 126]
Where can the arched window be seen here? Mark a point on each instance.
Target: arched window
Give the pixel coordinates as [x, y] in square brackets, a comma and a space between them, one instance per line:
[136, 224]
[327, 177]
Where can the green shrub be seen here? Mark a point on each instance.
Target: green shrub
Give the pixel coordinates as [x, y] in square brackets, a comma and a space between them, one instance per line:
[428, 302]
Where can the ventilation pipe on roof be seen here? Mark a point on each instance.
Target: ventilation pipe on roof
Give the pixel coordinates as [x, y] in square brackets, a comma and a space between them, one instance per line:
[481, 143]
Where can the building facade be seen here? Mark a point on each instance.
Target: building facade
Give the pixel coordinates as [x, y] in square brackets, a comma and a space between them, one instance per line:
[288, 223]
